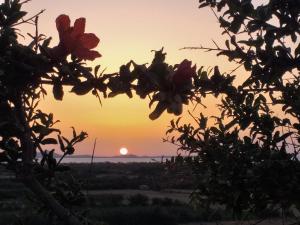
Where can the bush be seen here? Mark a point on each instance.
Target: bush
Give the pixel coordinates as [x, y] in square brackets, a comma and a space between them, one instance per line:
[165, 202]
[107, 200]
[138, 200]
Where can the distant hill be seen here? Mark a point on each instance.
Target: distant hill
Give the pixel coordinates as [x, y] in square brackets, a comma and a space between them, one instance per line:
[39, 155]
[126, 156]
[56, 155]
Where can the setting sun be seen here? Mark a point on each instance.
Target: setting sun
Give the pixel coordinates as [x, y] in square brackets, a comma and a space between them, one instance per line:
[123, 151]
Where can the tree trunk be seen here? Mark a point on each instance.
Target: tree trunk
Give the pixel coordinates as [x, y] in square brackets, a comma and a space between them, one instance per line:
[27, 176]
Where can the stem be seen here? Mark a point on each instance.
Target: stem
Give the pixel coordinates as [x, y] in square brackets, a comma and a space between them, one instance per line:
[91, 165]
[25, 136]
[61, 158]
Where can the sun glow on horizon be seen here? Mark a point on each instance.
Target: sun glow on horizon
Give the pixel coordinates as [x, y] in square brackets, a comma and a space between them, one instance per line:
[123, 151]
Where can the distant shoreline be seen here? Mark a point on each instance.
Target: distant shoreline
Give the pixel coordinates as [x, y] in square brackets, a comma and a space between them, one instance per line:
[117, 156]
[112, 159]
[87, 156]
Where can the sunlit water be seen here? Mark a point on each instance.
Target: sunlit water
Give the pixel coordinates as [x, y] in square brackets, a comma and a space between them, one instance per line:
[115, 159]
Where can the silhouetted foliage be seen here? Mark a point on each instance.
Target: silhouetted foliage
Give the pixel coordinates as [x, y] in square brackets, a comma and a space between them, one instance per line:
[247, 161]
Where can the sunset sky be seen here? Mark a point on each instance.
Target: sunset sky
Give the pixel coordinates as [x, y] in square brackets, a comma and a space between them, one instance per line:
[128, 30]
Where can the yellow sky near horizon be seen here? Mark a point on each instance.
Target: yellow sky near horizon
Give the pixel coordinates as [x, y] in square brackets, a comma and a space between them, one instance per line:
[128, 30]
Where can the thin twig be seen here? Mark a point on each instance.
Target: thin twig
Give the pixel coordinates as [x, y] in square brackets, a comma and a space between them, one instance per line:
[235, 69]
[36, 33]
[21, 3]
[227, 32]
[91, 165]
[194, 118]
[202, 48]
[31, 18]
[215, 44]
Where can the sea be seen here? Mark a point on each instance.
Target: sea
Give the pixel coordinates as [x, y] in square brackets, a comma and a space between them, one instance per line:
[115, 159]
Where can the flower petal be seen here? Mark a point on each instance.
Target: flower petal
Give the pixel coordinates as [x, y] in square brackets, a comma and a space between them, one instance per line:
[184, 72]
[79, 27]
[68, 42]
[86, 54]
[89, 41]
[62, 23]
[185, 64]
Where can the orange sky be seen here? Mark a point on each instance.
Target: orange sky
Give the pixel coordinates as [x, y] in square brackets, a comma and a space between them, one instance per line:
[128, 29]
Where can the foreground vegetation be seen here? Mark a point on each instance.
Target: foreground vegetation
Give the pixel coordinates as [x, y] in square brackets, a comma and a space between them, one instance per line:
[114, 194]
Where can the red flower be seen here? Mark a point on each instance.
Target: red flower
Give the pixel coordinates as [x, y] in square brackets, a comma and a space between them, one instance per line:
[73, 40]
[184, 72]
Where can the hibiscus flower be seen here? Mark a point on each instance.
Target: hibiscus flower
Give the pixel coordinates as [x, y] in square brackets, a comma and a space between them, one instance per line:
[184, 73]
[73, 40]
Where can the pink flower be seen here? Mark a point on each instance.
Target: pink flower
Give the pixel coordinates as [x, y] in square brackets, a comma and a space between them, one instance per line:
[73, 40]
[184, 72]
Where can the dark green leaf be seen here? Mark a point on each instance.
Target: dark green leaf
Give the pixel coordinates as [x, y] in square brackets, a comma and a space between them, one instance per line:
[58, 91]
[82, 88]
[49, 141]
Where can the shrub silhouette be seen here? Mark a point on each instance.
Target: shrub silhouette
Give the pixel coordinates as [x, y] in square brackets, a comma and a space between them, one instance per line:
[248, 161]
